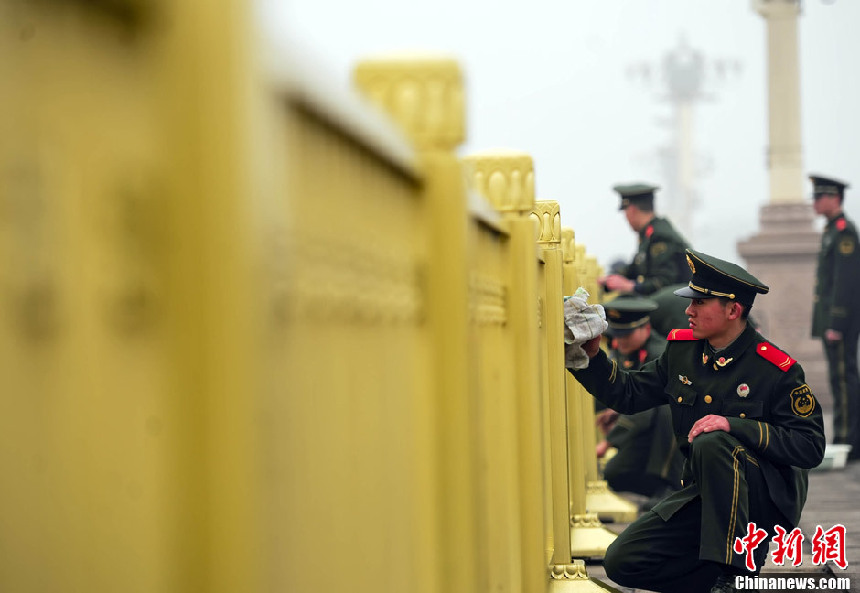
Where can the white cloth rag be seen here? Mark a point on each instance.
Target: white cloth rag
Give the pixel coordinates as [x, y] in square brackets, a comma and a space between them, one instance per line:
[582, 322]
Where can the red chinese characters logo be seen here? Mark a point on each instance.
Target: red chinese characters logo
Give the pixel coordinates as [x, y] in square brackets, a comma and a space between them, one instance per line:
[829, 545]
[788, 546]
[826, 545]
[749, 543]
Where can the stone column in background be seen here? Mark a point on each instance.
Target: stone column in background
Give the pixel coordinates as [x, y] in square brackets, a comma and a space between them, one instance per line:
[783, 254]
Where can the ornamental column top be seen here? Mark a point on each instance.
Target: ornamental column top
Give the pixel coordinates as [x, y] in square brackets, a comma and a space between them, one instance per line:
[424, 95]
[505, 178]
[776, 8]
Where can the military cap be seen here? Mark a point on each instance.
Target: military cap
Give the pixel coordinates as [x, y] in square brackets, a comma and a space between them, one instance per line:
[625, 314]
[713, 277]
[823, 186]
[636, 193]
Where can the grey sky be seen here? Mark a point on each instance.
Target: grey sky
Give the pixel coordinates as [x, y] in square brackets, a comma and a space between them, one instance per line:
[549, 77]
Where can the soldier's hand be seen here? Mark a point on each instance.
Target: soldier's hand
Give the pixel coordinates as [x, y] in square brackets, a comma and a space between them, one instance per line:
[592, 346]
[831, 335]
[606, 419]
[601, 448]
[616, 282]
[708, 423]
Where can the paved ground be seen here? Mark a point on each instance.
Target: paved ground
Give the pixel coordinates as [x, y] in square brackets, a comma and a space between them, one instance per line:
[834, 499]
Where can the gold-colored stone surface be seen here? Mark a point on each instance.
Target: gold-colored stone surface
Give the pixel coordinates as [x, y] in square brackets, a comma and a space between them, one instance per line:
[585, 520]
[341, 281]
[574, 570]
[568, 245]
[423, 94]
[589, 538]
[505, 178]
[548, 217]
[573, 578]
[607, 505]
[488, 300]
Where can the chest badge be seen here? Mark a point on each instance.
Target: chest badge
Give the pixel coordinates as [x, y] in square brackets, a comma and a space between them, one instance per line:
[743, 390]
[683, 379]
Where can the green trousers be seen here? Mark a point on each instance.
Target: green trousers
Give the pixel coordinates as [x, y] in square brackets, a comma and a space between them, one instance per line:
[687, 540]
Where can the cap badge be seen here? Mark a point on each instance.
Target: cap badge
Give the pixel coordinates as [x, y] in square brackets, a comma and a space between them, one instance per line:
[614, 314]
[743, 390]
[684, 380]
[690, 263]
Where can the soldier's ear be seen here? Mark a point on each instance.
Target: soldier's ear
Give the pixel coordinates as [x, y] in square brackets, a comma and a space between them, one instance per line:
[735, 310]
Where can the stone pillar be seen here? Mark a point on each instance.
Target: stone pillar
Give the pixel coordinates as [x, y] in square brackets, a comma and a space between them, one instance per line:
[783, 254]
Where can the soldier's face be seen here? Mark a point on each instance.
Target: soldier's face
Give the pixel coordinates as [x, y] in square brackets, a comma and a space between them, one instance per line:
[708, 317]
[634, 217]
[826, 205]
[634, 340]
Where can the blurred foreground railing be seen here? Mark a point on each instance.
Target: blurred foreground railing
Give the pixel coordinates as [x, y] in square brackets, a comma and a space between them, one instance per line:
[260, 335]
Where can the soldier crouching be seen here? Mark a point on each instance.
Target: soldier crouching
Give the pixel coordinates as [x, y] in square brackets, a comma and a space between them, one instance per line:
[746, 422]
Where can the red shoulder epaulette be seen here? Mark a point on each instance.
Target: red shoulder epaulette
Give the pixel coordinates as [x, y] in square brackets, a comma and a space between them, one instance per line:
[776, 356]
[649, 231]
[680, 334]
[841, 224]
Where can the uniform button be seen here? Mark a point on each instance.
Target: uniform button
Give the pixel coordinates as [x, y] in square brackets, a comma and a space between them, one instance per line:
[708, 399]
[743, 415]
[680, 399]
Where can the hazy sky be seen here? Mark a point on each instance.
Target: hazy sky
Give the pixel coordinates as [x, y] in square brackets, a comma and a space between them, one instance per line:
[550, 77]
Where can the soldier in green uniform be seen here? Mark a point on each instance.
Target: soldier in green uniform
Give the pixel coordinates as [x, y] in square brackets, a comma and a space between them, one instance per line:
[746, 422]
[647, 461]
[658, 267]
[835, 316]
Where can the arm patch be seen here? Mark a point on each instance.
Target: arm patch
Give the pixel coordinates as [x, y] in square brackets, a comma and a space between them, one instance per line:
[658, 249]
[775, 356]
[680, 334]
[802, 401]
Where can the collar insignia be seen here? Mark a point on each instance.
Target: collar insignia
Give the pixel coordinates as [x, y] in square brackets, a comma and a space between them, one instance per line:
[683, 379]
[743, 390]
[704, 358]
[627, 364]
[722, 361]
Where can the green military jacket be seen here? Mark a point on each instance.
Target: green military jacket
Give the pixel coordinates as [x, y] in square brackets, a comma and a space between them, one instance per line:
[661, 259]
[838, 279]
[758, 388]
[649, 431]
